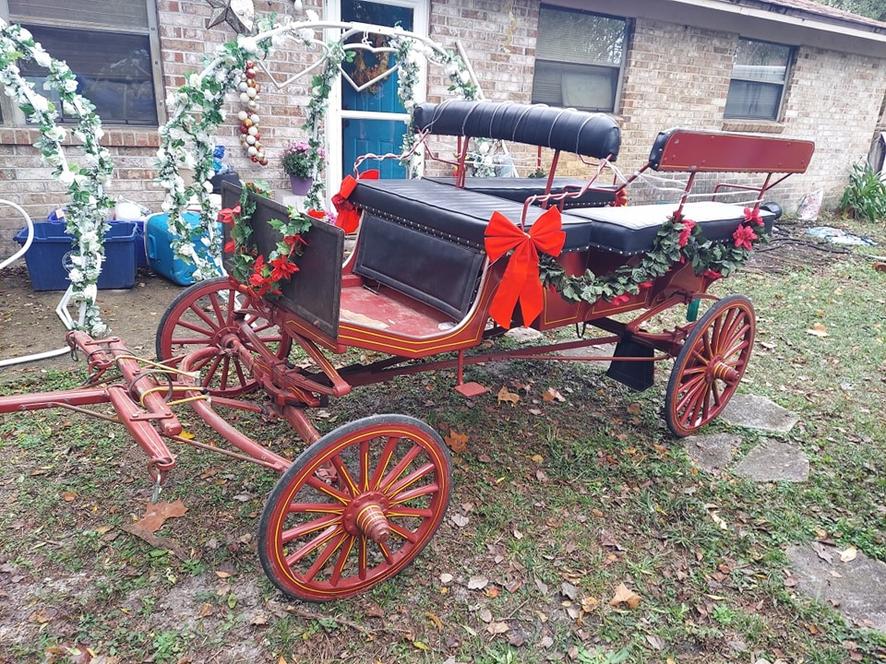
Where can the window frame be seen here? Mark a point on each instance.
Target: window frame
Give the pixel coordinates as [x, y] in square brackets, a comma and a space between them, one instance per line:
[789, 66]
[13, 117]
[621, 66]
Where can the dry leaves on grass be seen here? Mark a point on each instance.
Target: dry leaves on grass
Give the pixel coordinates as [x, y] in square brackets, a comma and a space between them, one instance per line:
[457, 442]
[156, 514]
[818, 330]
[506, 396]
[626, 596]
[552, 394]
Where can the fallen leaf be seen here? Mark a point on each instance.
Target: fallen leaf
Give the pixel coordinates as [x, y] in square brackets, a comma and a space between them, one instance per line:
[457, 442]
[537, 458]
[517, 534]
[849, 554]
[485, 615]
[506, 396]
[818, 330]
[156, 515]
[222, 574]
[654, 642]
[157, 541]
[542, 586]
[880, 267]
[477, 582]
[258, 619]
[623, 595]
[569, 590]
[634, 408]
[546, 642]
[421, 645]
[497, 628]
[187, 435]
[552, 394]
[446, 578]
[589, 603]
[69, 496]
[460, 520]
[41, 616]
[491, 592]
[206, 610]
[435, 619]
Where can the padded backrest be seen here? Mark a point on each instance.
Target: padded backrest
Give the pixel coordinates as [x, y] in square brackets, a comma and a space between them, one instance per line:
[589, 134]
[432, 270]
[685, 150]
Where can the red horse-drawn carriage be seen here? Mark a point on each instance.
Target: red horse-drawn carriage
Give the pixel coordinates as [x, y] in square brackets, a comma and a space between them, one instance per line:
[435, 259]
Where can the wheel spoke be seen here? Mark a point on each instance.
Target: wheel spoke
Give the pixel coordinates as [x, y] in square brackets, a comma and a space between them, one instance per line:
[320, 508]
[364, 465]
[195, 328]
[736, 339]
[315, 543]
[689, 395]
[188, 341]
[689, 384]
[324, 556]
[213, 298]
[410, 479]
[342, 561]
[397, 470]
[345, 474]
[211, 371]
[386, 552]
[320, 485]
[406, 496]
[239, 370]
[202, 315]
[309, 527]
[226, 366]
[362, 562]
[264, 327]
[383, 461]
[728, 333]
[419, 513]
[405, 533]
[690, 415]
[715, 392]
[232, 304]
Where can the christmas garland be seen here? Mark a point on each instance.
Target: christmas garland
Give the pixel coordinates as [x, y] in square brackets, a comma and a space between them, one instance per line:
[264, 275]
[250, 138]
[679, 240]
[86, 211]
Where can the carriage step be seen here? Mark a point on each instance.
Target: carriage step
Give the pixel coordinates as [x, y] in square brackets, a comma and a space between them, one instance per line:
[471, 389]
[636, 375]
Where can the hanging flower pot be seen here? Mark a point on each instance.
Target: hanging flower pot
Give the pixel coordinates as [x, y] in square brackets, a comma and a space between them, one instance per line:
[300, 185]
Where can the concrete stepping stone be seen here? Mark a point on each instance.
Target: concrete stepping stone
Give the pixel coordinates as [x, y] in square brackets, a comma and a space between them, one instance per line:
[753, 412]
[712, 453]
[856, 588]
[772, 461]
[524, 335]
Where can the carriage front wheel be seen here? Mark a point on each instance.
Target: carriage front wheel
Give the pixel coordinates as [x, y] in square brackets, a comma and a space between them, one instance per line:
[710, 365]
[355, 508]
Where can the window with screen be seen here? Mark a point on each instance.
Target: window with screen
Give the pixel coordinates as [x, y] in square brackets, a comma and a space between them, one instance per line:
[110, 45]
[759, 76]
[578, 59]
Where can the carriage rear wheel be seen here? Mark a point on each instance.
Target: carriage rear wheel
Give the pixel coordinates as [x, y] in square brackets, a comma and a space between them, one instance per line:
[710, 365]
[200, 317]
[355, 508]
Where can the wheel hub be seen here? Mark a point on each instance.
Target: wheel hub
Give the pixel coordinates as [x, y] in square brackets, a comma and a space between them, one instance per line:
[722, 370]
[365, 515]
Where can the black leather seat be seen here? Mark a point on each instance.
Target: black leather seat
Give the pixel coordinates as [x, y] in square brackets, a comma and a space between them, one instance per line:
[589, 134]
[457, 215]
[519, 189]
[632, 229]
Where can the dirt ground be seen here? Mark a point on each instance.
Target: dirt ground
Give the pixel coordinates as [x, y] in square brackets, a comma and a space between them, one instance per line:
[28, 323]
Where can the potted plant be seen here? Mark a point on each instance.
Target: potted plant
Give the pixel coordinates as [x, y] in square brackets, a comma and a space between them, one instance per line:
[297, 162]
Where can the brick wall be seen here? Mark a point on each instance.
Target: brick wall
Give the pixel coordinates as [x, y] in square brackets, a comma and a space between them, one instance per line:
[674, 75]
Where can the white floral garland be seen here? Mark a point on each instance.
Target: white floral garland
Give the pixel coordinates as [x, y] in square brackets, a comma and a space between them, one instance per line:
[86, 181]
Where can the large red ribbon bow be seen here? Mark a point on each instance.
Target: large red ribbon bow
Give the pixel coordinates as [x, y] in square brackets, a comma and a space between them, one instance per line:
[521, 278]
[348, 216]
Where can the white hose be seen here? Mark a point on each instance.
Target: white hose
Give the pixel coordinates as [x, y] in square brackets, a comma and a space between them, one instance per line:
[61, 310]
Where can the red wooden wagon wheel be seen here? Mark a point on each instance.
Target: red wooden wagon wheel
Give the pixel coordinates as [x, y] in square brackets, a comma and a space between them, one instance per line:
[201, 316]
[355, 508]
[710, 365]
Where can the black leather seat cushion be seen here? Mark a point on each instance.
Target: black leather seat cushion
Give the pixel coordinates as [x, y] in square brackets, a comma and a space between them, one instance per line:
[459, 215]
[632, 229]
[432, 270]
[590, 134]
[519, 189]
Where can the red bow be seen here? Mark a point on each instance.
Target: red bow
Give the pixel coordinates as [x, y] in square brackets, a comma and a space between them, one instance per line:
[521, 278]
[348, 216]
[621, 198]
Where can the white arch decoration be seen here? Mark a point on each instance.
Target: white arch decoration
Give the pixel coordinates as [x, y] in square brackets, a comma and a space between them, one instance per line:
[85, 182]
[186, 139]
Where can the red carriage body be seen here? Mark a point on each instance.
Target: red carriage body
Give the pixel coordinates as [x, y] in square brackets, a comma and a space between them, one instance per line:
[362, 501]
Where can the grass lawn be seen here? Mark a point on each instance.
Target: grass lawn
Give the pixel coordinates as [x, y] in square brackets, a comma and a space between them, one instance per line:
[563, 501]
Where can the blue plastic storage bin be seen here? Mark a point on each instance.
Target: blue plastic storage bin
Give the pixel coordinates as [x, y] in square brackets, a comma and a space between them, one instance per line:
[161, 257]
[46, 257]
[141, 253]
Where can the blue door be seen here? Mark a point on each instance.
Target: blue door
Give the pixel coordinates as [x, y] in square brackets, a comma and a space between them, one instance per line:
[362, 133]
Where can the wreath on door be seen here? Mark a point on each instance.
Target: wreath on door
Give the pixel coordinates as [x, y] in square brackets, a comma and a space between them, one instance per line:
[363, 72]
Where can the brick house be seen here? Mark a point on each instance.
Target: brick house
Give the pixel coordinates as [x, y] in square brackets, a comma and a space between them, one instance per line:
[788, 67]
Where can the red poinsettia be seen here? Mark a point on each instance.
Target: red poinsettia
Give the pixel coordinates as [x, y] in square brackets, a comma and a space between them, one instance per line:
[753, 216]
[282, 268]
[744, 237]
[711, 274]
[621, 299]
[644, 285]
[227, 215]
[686, 233]
[293, 241]
[230, 247]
